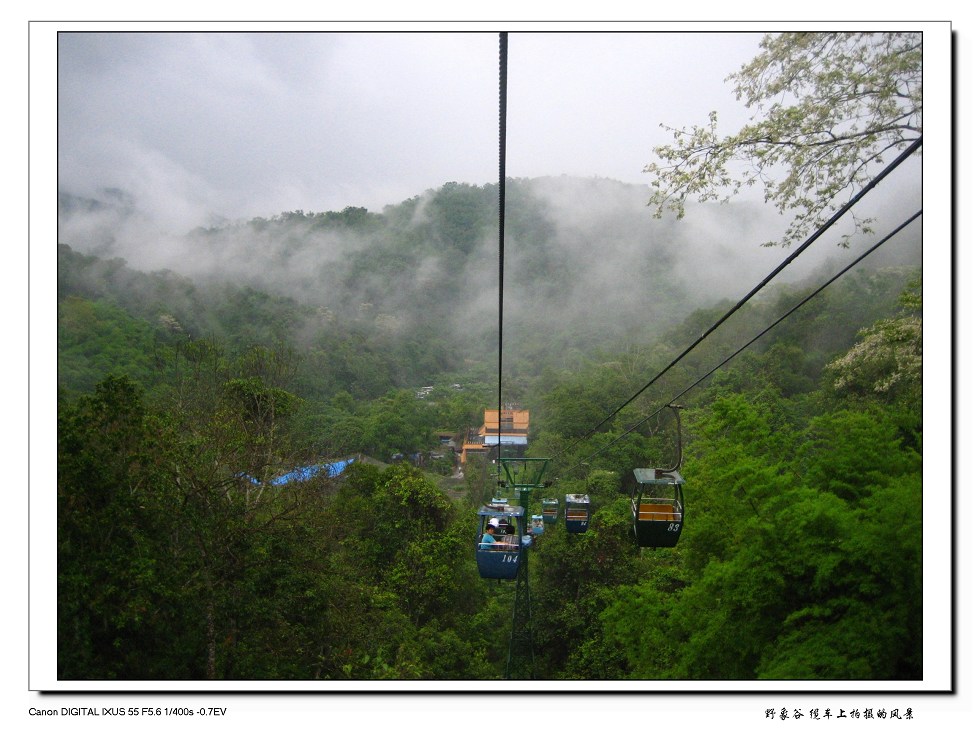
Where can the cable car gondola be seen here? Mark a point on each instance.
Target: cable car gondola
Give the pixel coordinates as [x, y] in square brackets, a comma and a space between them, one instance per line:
[658, 507]
[549, 510]
[658, 501]
[501, 558]
[577, 513]
[537, 524]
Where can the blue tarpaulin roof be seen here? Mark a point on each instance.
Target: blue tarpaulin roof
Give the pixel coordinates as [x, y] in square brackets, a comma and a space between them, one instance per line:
[304, 473]
[308, 472]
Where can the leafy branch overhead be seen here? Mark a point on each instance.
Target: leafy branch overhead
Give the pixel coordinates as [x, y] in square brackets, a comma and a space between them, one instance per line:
[828, 108]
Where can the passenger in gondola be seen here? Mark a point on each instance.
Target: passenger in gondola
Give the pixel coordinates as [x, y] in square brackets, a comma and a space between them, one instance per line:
[506, 527]
[488, 540]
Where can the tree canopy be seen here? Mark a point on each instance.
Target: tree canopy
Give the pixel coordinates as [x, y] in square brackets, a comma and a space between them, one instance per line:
[827, 108]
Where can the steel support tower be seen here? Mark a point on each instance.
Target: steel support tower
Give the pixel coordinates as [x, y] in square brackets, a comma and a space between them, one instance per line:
[523, 475]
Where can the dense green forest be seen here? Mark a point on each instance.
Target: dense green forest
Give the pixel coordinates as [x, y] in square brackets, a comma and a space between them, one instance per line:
[306, 337]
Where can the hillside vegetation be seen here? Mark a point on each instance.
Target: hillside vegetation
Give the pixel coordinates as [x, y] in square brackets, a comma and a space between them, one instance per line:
[264, 345]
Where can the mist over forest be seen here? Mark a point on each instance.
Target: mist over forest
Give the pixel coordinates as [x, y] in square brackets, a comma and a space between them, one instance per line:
[584, 258]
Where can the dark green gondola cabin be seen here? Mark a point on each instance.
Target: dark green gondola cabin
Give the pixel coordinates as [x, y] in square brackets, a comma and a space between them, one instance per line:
[658, 507]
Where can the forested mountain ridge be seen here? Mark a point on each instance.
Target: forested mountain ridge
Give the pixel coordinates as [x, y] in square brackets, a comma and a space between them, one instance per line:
[429, 263]
[587, 268]
[808, 443]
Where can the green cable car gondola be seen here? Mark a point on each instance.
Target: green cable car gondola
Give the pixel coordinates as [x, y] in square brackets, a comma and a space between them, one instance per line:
[658, 501]
[658, 507]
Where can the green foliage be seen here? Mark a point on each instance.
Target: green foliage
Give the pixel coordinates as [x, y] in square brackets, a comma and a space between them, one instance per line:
[572, 574]
[118, 600]
[402, 540]
[95, 339]
[790, 573]
[801, 555]
[852, 454]
[887, 360]
[172, 566]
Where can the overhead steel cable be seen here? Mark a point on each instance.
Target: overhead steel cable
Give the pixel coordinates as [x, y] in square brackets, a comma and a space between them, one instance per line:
[754, 291]
[502, 159]
[755, 338]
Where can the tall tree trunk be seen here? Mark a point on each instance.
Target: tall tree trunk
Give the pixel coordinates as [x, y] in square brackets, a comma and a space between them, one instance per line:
[212, 644]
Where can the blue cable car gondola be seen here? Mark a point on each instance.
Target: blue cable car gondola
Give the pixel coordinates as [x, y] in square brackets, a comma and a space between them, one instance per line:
[549, 510]
[658, 507]
[577, 513]
[501, 558]
[537, 524]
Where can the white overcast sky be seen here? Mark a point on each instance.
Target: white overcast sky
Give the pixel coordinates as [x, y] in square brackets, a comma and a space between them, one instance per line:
[251, 124]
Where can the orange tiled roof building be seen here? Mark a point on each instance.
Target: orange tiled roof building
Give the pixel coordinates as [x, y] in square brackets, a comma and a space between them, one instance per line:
[508, 426]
